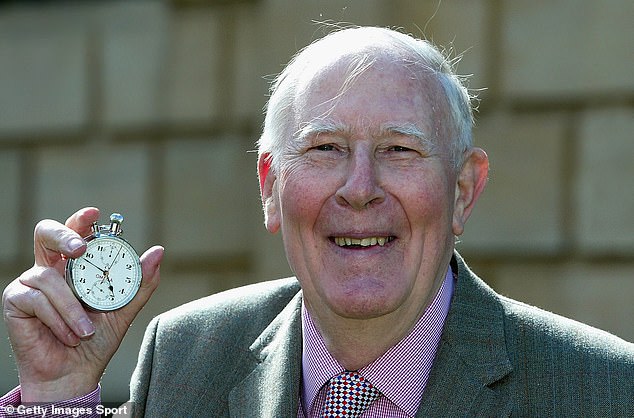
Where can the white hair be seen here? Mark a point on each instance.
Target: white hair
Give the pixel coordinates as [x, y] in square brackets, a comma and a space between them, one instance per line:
[418, 55]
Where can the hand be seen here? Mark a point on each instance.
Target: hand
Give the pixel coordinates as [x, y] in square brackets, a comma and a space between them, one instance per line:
[61, 349]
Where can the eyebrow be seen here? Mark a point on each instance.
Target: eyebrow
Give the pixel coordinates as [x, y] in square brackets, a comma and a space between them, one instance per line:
[410, 130]
[406, 129]
[324, 126]
[320, 126]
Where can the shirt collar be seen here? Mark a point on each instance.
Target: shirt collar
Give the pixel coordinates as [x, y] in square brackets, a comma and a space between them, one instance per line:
[400, 374]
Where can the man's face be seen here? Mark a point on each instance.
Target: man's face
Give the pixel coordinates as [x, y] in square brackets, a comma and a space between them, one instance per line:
[364, 195]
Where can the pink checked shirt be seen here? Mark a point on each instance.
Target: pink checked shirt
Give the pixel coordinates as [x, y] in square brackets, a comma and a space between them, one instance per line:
[11, 406]
[400, 374]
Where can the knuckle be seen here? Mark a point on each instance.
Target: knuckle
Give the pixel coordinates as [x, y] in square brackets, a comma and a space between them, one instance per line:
[42, 304]
[71, 307]
[46, 285]
[42, 226]
[48, 278]
[40, 277]
[36, 296]
[7, 294]
[13, 293]
[51, 231]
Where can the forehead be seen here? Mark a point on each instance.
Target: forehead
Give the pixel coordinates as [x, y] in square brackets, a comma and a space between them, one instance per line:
[364, 92]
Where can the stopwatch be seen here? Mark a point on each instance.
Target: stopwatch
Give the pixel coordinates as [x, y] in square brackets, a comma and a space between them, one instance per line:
[108, 275]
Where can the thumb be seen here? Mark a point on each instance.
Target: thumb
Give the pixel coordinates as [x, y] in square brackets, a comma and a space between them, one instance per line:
[150, 267]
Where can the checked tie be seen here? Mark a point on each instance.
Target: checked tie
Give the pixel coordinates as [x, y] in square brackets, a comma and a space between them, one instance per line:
[349, 394]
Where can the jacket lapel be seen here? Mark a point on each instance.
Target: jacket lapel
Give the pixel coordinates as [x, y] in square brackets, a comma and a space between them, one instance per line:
[272, 388]
[472, 354]
[471, 357]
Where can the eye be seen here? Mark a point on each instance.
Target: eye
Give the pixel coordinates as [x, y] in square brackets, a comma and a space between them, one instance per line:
[324, 147]
[399, 148]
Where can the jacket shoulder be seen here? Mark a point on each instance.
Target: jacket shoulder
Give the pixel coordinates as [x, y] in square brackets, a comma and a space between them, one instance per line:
[563, 365]
[536, 329]
[227, 319]
[258, 303]
[193, 355]
[221, 327]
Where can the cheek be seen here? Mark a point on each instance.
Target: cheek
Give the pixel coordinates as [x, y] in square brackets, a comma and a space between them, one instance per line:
[426, 198]
[302, 197]
[302, 194]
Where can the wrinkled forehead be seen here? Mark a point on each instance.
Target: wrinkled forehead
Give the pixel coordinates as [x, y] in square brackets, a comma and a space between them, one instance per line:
[372, 85]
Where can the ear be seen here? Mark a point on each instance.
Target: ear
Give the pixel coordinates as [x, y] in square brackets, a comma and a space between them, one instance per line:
[470, 183]
[268, 193]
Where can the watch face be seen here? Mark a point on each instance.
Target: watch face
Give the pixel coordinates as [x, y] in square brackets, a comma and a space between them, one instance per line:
[107, 276]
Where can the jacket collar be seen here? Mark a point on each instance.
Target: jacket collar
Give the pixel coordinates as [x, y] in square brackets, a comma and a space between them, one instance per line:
[472, 353]
[472, 356]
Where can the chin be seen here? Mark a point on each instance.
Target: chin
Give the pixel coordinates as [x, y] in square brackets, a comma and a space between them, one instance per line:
[362, 314]
[360, 307]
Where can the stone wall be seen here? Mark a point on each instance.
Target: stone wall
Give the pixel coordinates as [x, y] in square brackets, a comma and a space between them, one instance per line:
[152, 109]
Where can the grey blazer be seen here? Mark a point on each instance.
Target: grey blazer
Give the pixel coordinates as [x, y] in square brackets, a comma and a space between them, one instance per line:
[238, 354]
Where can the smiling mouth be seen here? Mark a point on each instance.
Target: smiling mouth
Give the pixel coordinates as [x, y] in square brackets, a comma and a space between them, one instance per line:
[362, 242]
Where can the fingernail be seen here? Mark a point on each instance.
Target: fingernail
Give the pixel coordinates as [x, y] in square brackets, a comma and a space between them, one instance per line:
[74, 244]
[86, 328]
[72, 339]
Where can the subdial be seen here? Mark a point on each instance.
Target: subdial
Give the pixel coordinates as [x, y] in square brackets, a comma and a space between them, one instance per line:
[101, 289]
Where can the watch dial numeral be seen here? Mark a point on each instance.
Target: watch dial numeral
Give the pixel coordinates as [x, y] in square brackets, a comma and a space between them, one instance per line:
[108, 275]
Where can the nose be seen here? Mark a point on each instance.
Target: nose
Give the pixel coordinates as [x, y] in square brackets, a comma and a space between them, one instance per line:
[361, 186]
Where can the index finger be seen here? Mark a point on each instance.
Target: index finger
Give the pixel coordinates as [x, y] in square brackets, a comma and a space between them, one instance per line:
[52, 239]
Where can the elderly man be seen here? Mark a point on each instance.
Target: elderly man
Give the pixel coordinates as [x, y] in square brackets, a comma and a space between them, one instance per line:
[367, 168]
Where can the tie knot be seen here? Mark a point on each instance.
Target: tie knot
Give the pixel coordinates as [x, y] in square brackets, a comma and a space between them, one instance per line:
[349, 394]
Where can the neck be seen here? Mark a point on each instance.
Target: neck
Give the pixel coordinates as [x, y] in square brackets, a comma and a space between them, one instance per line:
[355, 343]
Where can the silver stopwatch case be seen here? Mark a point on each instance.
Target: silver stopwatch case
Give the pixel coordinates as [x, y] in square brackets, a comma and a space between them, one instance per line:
[108, 275]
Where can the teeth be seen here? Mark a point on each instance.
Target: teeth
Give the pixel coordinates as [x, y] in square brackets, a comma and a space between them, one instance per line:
[363, 242]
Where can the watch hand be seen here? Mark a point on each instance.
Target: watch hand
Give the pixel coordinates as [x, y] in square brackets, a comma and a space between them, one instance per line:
[115, 257]
[97, 290]
[101, 270]
[107, 276]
